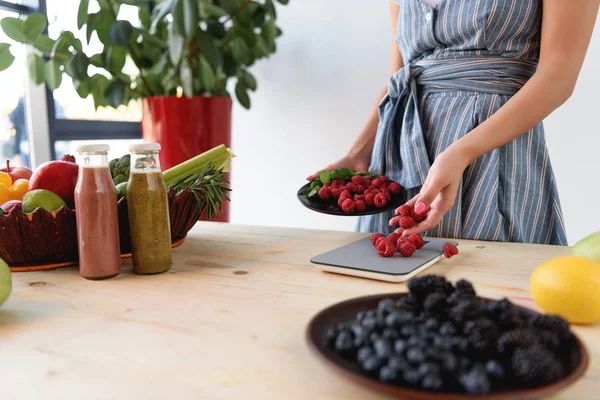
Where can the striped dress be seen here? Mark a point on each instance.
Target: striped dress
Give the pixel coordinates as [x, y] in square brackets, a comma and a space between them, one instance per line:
[464, 59]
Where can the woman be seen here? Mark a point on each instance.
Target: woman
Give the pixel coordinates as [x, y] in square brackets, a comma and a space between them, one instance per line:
[459, 125]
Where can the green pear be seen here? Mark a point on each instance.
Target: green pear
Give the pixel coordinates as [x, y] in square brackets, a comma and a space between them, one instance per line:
[588, 247]
[5, 281]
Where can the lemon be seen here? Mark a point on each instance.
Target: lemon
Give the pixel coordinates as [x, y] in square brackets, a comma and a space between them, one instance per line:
[5, 281]
[41, 198]
[568, 286]
[588, 247]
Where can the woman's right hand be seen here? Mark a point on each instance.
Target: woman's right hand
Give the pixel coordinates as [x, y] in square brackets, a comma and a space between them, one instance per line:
[354, 163]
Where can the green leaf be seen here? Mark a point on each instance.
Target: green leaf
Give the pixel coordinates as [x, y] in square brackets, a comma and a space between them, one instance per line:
[249, 80]
[97, 60]
[186, 77]
[240, 50]
[82, 13]
[215, 29]
[35, 65]
[102, 25]
[178, 17]
[77, 66]
[115, 59]
[160, 11]
[269, 31]
[62, 44]
[207, 74]
[13, 28]
[120, 32]
[44, 44]
[258, 16]
[114, 94]
[208, 10]
[284, 2]
[175, 44]
[209, 49]
[6, 57]
[248, 35]
[190, 18]
[145, 17]
[91, 25]
[271, 9]
[139, 3]
[99, 83]
[325, 176]
[53, 74]
[34, 25]
[342, 173]
[82, 88]
[106, 5]
[241, 92]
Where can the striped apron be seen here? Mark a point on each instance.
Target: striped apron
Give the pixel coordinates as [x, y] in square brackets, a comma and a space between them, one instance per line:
[463, 59]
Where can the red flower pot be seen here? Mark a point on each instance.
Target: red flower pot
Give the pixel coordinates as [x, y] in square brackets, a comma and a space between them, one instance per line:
[186, 127]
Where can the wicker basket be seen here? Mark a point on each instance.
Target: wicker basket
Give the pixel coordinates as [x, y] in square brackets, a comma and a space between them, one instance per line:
[48, 238]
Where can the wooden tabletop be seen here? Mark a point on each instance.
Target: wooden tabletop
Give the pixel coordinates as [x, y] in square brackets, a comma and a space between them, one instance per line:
[227, 322]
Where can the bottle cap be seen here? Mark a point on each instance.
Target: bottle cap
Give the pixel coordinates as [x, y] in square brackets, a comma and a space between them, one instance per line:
[93, 148]
[144, 147]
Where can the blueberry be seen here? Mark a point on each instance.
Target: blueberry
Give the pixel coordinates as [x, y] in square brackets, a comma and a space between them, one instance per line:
[415, 356]
[432, 324]
[382, 348]
[428, 368]
[398, 318]
[443, 343]
[388, 375]
[374, 336]
[386, 305]
[398, 363]
[432, 382]
[364, 353]
[475, 382]
[390, 334]
[371, 365]
[450, 362]
[414, 341]
[411, 376]
[495, 369]
[400, 346]
[369, 323]
[330, 335]
[344, 341]
[408, 330]
[447, 329]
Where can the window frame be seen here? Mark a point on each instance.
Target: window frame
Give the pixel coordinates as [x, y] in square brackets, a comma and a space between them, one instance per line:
[44, 128]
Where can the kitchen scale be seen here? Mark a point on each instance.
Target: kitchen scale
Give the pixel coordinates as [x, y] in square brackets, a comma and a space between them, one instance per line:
[360, 259]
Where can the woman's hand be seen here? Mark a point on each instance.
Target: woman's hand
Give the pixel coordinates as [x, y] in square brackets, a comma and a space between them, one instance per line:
[357, 163]
[438, 194]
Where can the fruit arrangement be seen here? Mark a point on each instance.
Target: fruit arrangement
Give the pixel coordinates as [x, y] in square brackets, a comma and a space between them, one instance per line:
[39, 224]
[442, 337]
[352, 192]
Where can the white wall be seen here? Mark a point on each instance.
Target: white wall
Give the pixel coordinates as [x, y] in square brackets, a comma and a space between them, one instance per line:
[314, 96]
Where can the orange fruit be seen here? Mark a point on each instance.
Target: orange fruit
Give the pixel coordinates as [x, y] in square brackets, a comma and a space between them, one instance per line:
[5, 179]
[18, 189]
[4, 193]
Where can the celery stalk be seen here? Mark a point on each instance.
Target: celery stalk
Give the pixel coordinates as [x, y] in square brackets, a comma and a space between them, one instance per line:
[218, 156]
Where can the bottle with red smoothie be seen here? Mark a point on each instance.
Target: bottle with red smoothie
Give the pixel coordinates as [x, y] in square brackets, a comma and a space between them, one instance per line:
[96, 212]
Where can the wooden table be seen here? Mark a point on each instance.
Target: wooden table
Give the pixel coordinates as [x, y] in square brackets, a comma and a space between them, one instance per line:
[227, 322]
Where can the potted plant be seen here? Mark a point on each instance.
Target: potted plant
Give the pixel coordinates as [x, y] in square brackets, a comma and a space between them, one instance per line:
[186, 52]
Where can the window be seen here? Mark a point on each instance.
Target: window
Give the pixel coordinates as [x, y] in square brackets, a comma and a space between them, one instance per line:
[118, 148]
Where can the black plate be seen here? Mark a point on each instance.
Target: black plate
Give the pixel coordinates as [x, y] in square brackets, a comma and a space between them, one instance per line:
[346, 311]
[330, 207]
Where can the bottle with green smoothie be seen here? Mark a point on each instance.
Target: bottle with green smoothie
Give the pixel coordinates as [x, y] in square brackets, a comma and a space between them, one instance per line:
[148, 209]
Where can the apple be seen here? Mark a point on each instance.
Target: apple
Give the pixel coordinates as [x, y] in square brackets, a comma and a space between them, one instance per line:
[59, 177]
[17, 172]
[9, 205]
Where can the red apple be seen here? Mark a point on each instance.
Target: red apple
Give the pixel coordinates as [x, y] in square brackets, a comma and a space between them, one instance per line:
[9, 205]
[17, 172]
[59, 177]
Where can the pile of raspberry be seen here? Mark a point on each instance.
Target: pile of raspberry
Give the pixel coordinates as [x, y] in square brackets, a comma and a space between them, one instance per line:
[406, 246]
[360, 192]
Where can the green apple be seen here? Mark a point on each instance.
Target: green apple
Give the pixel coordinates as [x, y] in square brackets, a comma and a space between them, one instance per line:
[588, 247]
[41, 198]
[5, 281]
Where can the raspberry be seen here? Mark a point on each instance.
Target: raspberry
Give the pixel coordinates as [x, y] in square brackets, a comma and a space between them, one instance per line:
[370, 199]
[401, 240]
[379, 240]
[404, 210]
[337, 183]
[367, 181]
[341, 201]
[380, 200]
[417, 240]
[387, 195]
[342, 188]
[418, 217]
[360, 189]
[335, 192]
[376, 236]
[351, 187]
[345, 194]
[407, 222]
[385, 248]
[374, 190]
[327, 185]
[395, 187]
[358, 197]
[406, 249]
[377, 182]
[449, 250]
[348, 206]
[359, 205]
[393, 237]
[324, 193]
[357, 179]
[384, 187]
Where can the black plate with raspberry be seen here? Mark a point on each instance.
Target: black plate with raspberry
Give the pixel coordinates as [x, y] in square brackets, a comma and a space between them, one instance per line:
[344, 192]
[442, 341]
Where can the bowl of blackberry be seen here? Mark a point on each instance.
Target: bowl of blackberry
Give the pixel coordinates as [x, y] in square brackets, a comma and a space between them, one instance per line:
[443, 341]
[345, 192]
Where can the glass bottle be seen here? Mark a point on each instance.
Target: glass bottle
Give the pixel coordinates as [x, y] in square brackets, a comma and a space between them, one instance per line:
[148, 209]
[96, 215]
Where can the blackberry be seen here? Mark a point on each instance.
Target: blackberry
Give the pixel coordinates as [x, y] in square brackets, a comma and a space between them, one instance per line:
[549, 339]
[552, 323]
[464, 311]
[504, 313]
[447, 329]
[411, 377]
[422, 286]
[364, 353]
[371, 365]
[495, 370]
[475, 382]
[457, 297]
[415, 356]
[398, 363]
[382, 348]
[409, 303]
[536, 365]
[483, 326]
[388, 375]
[515, 339]
[435, 302]
[465, 287]
[432, 382]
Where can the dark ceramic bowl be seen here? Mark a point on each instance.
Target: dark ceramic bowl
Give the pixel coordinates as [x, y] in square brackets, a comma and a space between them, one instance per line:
[347, 310]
